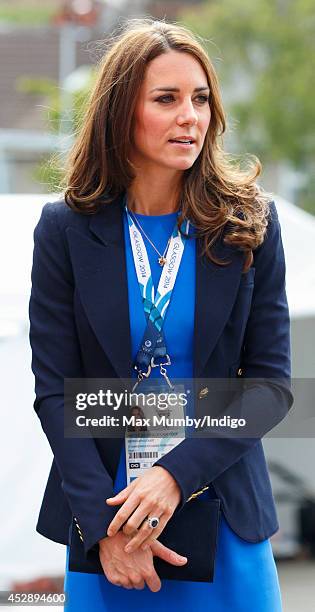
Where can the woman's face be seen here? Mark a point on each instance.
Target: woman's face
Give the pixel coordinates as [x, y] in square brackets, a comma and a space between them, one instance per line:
[173, 103]
[136, 411]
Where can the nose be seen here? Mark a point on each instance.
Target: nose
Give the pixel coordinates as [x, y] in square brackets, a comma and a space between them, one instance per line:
[187, 114]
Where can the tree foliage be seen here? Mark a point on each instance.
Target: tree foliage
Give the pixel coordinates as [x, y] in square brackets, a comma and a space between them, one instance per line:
[264, 52]
[30, 13]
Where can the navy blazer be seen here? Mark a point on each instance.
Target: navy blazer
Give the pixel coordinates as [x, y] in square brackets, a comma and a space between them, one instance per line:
[78, 329]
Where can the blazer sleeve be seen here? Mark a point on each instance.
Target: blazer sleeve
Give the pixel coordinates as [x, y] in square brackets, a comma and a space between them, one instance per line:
[55, 356]
[266, 355]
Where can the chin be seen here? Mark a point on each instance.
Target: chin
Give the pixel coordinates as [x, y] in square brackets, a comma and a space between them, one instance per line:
[183, 164]
[180, 163]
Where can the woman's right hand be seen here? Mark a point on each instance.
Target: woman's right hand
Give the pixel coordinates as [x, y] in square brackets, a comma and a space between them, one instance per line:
[132, 570]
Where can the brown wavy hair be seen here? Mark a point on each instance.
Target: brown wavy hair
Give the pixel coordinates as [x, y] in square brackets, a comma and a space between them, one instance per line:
[218, 196]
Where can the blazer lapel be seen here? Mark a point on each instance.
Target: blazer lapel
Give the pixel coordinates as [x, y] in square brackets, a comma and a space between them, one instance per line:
[101, 278]
[216, 290]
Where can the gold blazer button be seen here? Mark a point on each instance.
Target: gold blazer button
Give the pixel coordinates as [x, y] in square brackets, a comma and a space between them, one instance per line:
[203, 392]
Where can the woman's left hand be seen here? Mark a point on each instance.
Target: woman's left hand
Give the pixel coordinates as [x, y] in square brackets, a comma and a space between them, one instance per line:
[155, 493]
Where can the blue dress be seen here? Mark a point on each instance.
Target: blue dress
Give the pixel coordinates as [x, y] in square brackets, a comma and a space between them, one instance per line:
[245, 573]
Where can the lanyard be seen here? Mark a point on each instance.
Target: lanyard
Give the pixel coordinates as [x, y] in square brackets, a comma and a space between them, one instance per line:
[155, 304]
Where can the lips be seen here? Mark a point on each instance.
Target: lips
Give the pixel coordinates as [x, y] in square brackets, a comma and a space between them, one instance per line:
[183, 140]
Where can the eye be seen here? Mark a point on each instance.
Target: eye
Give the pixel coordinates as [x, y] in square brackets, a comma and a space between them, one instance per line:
[204, 99]
[169, 98]
[163, 98]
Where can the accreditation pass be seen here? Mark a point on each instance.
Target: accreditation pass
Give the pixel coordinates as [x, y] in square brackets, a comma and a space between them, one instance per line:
[148, 438]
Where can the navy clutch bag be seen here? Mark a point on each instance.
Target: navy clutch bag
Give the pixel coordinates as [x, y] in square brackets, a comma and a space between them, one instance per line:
[192, 531]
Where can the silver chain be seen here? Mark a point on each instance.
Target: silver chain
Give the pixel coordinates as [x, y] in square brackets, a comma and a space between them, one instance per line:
[162, 258]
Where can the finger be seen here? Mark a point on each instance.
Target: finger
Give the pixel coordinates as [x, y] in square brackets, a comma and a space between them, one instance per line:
[112, 501]
[137, 518]
[167, 554]
[118, 499]
[119, 579]
[121, 496]
[152, 580]
[156, 532]
[136, 580]
[126, 584]
[146, 534]
[122, 515]
[143, 534]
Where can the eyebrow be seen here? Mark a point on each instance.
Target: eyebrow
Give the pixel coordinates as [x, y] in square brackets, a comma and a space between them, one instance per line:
[176, 89]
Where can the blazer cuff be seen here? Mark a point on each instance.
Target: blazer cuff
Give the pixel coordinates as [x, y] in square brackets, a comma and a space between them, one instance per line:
[91, 534]
[169, 464]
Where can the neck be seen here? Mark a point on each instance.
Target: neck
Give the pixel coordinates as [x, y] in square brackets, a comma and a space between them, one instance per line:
[152, 195]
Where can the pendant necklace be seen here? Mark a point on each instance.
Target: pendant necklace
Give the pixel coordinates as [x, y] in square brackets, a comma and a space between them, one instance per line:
[162, 259]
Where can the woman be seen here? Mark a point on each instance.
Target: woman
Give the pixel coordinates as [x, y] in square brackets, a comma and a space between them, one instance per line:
[227, 317]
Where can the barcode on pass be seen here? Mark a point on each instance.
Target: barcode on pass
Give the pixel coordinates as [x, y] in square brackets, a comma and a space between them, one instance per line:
[143, 455]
